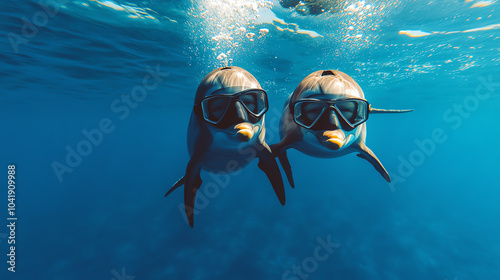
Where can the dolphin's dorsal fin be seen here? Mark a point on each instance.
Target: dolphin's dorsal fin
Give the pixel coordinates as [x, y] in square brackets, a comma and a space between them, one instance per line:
[388, 111]
[367, 154]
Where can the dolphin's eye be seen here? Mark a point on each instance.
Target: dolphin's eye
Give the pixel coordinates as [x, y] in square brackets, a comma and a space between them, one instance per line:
[354, 111]
[347, 109]
[254, 101]
[312, 110]
[215, 108]
[307, 112]
[250, 101]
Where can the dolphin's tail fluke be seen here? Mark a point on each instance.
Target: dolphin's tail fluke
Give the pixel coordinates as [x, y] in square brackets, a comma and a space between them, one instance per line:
[388, 111]
[177, 184]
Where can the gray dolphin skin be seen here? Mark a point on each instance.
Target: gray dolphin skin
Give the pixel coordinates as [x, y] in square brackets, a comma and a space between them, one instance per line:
[325, 117]
[230, 136]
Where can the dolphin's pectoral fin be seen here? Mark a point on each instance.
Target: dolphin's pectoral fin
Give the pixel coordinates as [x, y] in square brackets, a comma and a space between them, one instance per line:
[177, 184]
[367, 154]
[192, 183]
[287, 167]
[268, 164]
[279, 150]
[283, 144]
[276, 148]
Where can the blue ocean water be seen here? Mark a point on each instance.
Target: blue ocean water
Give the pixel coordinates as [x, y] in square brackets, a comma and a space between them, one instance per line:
[67, 68]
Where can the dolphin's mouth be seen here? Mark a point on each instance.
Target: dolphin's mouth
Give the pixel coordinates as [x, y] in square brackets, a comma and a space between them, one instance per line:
[244, 131]
[332, 139]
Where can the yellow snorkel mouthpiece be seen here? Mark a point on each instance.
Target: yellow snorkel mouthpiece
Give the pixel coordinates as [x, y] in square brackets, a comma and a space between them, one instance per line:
[244, 132]
[335, 139]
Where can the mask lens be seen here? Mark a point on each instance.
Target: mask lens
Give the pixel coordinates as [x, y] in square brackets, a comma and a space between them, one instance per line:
[215, 108]
[354, 111]
[254, 101]
[308, 112]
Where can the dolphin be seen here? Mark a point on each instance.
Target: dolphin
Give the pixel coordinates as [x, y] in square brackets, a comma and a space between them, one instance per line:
[325, 117]
[226, 132]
